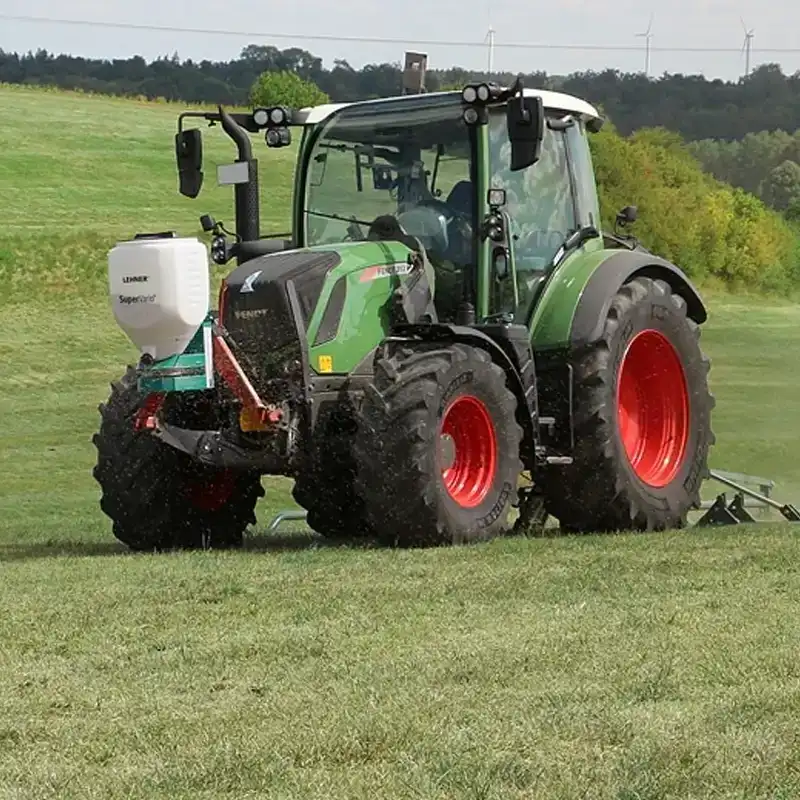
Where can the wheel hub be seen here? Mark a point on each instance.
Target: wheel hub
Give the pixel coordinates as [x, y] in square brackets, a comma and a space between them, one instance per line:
[468, 451]
[653, 408]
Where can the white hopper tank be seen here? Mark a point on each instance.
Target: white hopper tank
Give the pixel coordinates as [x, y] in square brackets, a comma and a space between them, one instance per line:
[159, 290]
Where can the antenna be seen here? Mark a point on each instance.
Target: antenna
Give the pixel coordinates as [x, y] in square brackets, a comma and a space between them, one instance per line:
[647, 36]
[748, 38]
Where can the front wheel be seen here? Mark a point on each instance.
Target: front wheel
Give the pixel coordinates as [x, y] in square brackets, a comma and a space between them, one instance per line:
[158, 498]
[438, 447]
[642, 417]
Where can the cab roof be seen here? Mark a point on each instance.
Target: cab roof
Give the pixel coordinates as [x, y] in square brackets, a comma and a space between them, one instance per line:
[553, 101]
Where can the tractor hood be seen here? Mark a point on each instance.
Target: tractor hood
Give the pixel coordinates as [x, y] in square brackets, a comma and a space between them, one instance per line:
[317, 309]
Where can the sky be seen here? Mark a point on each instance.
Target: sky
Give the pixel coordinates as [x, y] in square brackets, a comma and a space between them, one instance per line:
[573, 31]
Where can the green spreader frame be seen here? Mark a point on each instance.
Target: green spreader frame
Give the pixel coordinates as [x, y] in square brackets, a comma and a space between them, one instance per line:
[189, 371]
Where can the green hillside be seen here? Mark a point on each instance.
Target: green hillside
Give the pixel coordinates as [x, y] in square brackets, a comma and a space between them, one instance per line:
[78, 172]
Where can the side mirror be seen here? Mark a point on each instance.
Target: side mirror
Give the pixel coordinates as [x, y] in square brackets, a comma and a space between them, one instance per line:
[525, 120]
[189, 155]
[627, 216]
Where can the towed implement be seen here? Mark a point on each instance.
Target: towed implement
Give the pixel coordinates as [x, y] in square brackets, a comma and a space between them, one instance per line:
[446, 340]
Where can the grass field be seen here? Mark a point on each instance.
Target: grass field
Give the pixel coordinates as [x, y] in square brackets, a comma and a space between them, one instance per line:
[77, 173]
[626, 667]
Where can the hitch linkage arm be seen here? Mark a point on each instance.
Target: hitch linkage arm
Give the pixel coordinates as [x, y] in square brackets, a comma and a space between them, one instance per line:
[734, 513]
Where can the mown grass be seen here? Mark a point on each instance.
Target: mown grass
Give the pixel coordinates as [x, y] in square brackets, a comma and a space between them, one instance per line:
[626, 667]
[631, 666]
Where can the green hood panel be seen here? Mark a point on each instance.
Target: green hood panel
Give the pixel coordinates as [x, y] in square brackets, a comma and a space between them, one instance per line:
[351, 318]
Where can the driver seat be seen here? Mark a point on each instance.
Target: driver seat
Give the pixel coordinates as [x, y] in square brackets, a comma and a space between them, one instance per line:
[460, 198]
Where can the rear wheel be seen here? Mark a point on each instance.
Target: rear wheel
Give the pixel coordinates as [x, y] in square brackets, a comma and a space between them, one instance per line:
[642, 419]
[159, 498]
[438, 447]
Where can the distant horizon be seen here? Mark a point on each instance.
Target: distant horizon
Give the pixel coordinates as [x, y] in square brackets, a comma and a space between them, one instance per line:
[394, 62]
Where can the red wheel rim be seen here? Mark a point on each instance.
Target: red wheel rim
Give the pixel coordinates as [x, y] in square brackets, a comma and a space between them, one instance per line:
[469, 448]
[214, 493]
[653, 408]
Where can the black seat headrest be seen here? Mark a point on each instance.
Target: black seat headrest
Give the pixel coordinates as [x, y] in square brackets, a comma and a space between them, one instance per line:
[460, 197]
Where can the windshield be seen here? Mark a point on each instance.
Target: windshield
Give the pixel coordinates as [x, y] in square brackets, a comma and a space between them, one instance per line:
[388, 159]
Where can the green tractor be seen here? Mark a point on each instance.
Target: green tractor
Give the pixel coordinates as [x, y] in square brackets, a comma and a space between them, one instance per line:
[445, 348]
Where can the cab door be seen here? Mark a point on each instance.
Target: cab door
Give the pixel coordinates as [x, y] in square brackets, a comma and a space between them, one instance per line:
[543, 207]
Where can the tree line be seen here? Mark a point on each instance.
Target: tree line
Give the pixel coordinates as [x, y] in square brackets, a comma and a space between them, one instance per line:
[695, 107]
[767, 164]
[718, 233]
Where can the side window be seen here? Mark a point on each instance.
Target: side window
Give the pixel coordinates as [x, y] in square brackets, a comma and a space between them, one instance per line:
[581, 159]
[452, 179]
[540, 199]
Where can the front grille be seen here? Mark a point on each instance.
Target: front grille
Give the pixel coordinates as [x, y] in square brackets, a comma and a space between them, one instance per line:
[259, 317]
[264, 336]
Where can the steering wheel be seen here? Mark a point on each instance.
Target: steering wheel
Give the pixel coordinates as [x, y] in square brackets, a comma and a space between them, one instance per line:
[446, 230]
[354, 233]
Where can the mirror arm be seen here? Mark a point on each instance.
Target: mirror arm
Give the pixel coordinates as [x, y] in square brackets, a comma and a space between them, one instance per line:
[195, 115]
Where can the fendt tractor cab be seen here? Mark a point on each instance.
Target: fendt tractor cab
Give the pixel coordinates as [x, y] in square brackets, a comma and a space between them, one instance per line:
[446, 335]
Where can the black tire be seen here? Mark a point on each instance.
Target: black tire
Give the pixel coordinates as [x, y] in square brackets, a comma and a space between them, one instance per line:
[150, 490]
[602, 491]
[400, 457]
[325, 487]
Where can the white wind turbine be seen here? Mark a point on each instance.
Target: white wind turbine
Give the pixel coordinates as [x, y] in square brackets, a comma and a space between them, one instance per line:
[647, 36]
[489, 39]
[748, 38]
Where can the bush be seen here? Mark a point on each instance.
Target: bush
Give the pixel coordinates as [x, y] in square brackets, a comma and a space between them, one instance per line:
[286, 89]
[706, 227]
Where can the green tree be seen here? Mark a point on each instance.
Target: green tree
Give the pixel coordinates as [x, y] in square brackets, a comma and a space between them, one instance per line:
[286, 89]
[782, 186]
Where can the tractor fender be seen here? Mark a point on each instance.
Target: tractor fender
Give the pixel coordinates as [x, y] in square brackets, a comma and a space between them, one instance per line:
[610, 275]
[519, 368]
[445, 332]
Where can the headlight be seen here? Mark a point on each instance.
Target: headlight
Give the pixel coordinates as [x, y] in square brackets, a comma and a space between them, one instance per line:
[471, 116]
